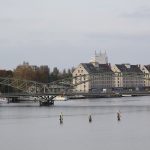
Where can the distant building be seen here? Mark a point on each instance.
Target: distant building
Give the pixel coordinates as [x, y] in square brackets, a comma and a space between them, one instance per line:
[100, 58]
[98, 73]
[44, 68]
[34, 67]
[128, 76]
[27, 65]
[146, 70]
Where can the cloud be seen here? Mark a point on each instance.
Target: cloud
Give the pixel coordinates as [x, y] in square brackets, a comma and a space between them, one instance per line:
[141, 13]
[118, 36]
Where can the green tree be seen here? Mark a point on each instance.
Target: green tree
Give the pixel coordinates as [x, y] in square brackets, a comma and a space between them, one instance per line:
[5, 74]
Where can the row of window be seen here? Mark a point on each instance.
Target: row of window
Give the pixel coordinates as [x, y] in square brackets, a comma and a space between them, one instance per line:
[80, 71]
[102, 86]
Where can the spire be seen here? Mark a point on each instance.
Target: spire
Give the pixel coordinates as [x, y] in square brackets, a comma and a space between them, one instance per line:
[100, 58]
[100, 53]
[95, 53]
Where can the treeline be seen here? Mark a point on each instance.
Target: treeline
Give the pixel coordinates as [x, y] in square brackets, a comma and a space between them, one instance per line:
[35, 73]
[4, 74]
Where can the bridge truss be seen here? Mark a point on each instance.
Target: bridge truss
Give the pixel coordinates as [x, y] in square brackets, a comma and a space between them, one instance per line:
[59, 87]
[63, 85]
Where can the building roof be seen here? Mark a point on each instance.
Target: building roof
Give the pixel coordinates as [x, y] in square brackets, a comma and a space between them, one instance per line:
[147, 67]
[131, 68]
[90, 68]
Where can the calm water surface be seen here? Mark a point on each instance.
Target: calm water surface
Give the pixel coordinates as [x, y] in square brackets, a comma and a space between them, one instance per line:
[30, 127]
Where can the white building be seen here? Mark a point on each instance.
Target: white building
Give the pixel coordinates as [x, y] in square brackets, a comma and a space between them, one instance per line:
[128, 76]
[100, 58]
[99, 74]
[146, 70]
[96, 75]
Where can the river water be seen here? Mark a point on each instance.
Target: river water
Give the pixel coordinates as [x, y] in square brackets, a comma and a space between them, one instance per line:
[26, 126]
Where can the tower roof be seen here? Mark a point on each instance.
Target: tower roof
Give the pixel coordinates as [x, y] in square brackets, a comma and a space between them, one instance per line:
[100, 58]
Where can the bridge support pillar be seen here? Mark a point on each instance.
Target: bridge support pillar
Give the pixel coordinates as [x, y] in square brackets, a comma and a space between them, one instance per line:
[13, 100]
[47, 101]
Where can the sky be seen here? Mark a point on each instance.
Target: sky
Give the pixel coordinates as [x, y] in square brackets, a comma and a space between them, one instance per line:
[64, 33]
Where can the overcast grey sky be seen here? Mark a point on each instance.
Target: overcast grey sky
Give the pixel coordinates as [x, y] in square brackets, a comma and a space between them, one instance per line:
[64, 33]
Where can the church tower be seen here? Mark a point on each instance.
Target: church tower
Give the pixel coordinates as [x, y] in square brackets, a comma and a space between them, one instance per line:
[100, 58]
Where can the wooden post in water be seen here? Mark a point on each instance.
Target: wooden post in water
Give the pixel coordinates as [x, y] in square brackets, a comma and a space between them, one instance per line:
[90, 118]
[118, 116]
[61, 118]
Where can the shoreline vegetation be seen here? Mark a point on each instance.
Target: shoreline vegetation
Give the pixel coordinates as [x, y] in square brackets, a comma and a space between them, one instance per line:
[42, 74]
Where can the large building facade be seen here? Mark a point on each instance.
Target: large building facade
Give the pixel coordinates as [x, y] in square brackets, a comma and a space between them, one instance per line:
[146, 70]
[99, 74]
[94, 76]
[128, 76]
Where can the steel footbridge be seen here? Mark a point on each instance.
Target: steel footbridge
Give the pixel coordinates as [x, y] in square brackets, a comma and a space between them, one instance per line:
[46, 92]
[42, 92]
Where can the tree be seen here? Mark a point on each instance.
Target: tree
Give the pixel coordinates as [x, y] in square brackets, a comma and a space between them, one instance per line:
[9, 74]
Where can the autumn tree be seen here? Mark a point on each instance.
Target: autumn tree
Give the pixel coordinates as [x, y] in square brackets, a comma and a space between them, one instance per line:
[34, 73]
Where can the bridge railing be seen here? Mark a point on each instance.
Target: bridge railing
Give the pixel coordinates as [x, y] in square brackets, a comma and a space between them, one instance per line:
[62, 85]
